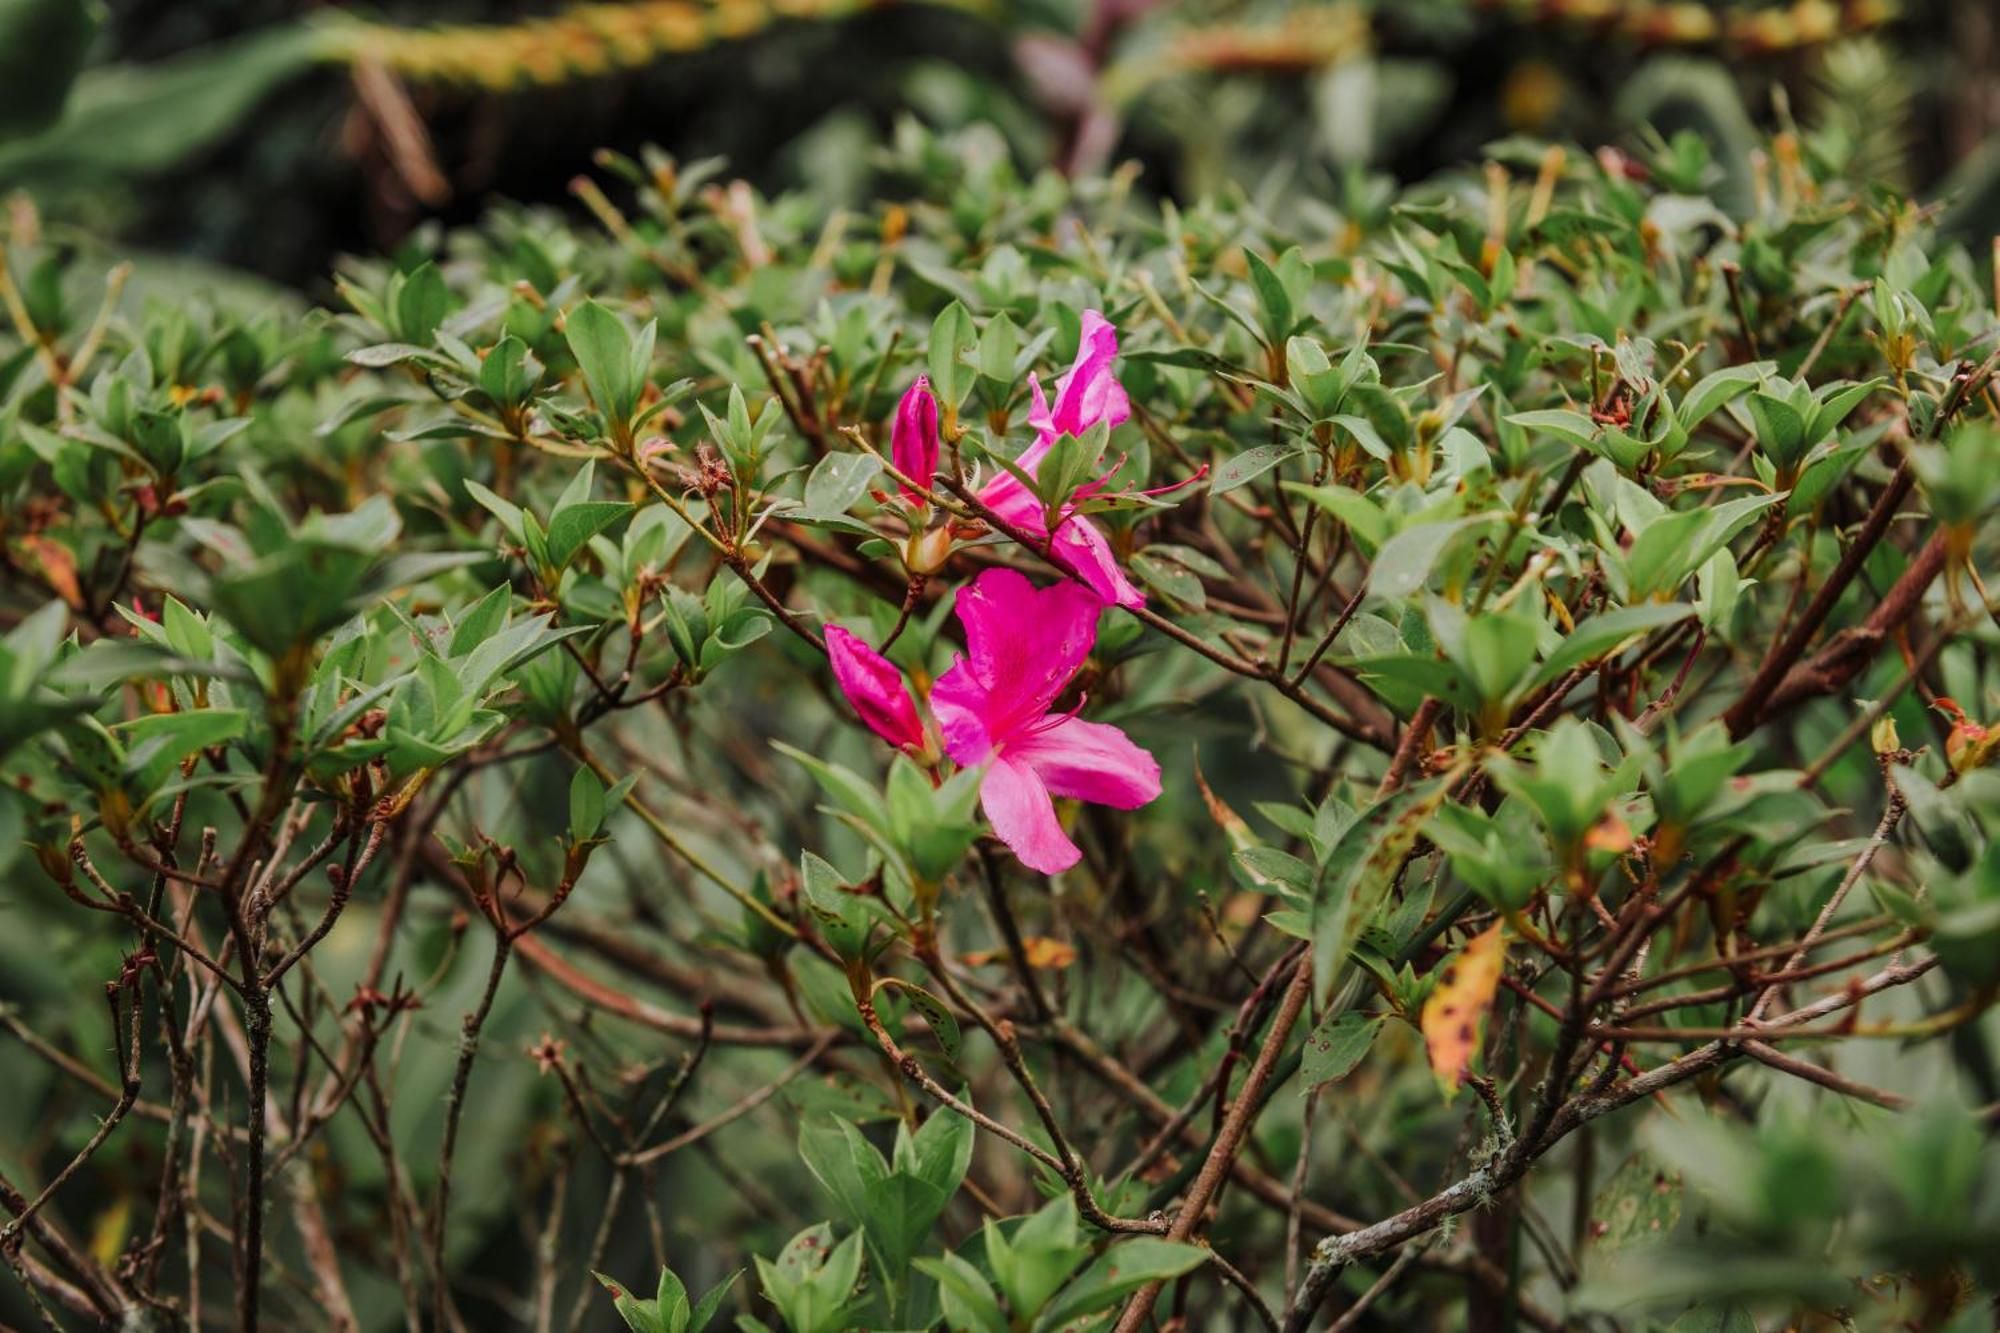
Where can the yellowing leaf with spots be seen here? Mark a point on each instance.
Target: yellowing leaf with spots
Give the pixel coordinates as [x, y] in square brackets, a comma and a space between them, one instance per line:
[1456, 1009]
[1037, 951]
[1047, 954]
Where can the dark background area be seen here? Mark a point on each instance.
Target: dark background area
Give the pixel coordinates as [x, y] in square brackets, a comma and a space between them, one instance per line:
[1279, 92]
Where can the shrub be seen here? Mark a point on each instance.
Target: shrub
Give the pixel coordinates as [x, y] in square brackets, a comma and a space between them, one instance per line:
[1037, 745]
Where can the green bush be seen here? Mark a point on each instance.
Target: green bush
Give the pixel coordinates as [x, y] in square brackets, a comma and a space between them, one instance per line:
[1537, 863]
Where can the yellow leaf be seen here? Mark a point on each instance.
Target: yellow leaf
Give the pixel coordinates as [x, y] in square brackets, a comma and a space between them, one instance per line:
[1038, 951]
[108, 1233]
[1609, 834]
[1456, 1009]
[1045, 953]
[1228, 820]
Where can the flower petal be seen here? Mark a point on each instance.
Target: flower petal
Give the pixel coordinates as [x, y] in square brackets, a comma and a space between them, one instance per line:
[875, 688]
[1039, 416]
[1005, 493]
[1014, 502]
[1023, 644]
[1090, 393]
[1090, 761]
[1025, 818]
[960, 704]
[1080, 545]
[913, 440]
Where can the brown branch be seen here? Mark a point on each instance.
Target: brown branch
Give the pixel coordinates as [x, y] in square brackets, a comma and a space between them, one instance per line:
[1847, 652]
[745, 1106]
[1824, 1077]
[1506, 1167]
[1235, 1128]
[1743, 716]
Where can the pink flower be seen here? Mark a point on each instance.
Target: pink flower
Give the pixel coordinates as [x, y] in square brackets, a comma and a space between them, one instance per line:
[913, 440]
[875, 688]
[993, 707]
[1024, 645]
[1088, 394]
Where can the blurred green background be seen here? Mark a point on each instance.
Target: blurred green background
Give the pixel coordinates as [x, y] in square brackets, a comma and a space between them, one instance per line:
[272, 136]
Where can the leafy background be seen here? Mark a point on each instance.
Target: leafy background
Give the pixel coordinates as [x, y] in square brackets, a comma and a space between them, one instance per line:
[202, 135]
[238, 132]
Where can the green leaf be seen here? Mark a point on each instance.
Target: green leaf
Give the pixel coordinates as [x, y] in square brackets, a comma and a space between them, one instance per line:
[1240, 469]
[1364, 433]
[1638, 1205]
[586, 805]
[1405, 560]
[377, 356]
[953, 342]
[1718, 389]
[898, 1214]
[506, 511]
[132, 120]
[1369, 859]
[849, 790]
[1272, 866]
[999, 345]
[1404, 680]
[1274, 303]
[670, 1305]
[42, 46]
[637, 1314]
[1170, 578]
[837, 481]
[1715, 1319]
[156, 743]
[108, 662]
[602, 346]
[1496, 651]
[968, 1300]
[1601, 635]
[1337, 1043]
[943, 1024]
[421, 303]
[571, 528]
[187, 634]
[1833, 408]
[1361, 514]
[844, 918]
[480, 622]
[1387, 412]
[1781, 430]
[1117, 1273]
[842, 1159]
[939, 1152]
[1313, 377]
[510, 372]
[711, 1301]
[1570, 427]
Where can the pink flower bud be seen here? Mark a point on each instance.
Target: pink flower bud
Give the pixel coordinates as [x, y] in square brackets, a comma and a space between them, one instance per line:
[913, 441]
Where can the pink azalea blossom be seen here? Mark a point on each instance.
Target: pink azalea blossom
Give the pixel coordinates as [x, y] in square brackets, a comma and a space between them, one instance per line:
[1088, 394]
[875, 688]
[913, 440]
[993, 707]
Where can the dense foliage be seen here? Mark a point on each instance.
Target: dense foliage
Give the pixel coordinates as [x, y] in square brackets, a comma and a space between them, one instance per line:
[271, 136]
[549, 768]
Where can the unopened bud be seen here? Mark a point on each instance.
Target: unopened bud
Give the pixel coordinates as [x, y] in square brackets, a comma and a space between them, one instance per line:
[926, 552]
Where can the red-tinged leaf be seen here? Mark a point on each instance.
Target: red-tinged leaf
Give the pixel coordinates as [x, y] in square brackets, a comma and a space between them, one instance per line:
[1456, 1010]
[57, 566]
